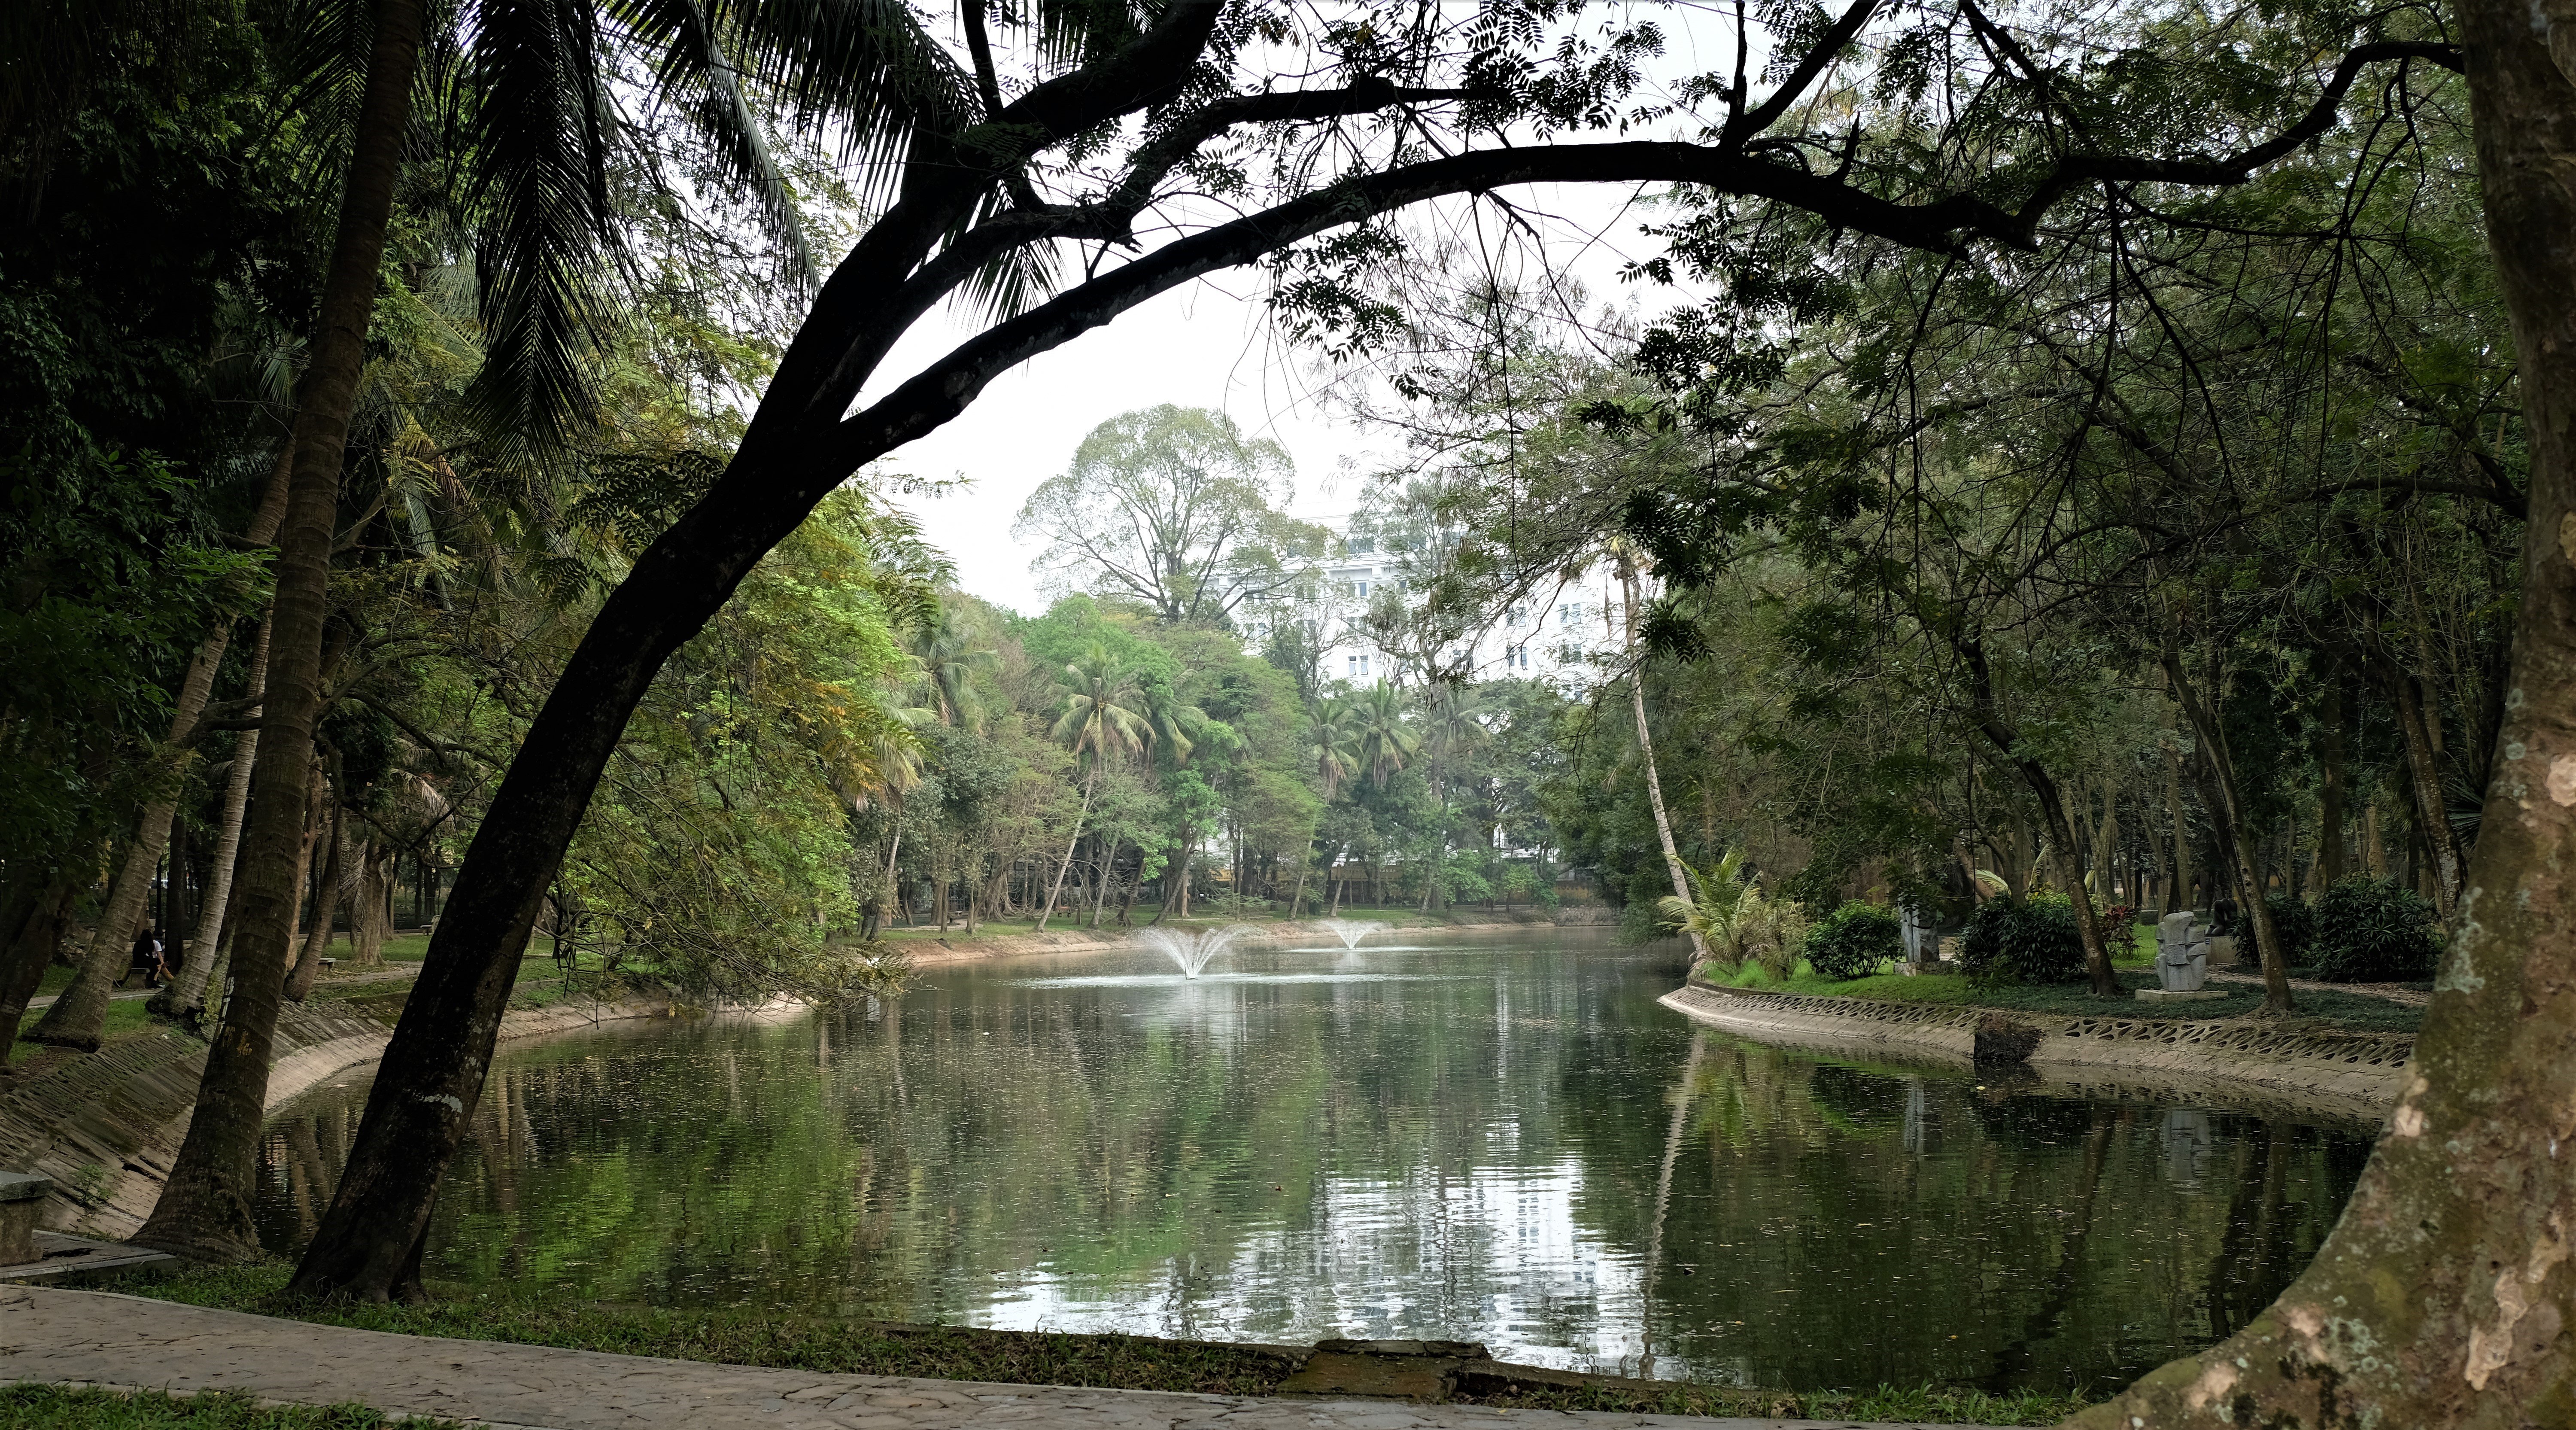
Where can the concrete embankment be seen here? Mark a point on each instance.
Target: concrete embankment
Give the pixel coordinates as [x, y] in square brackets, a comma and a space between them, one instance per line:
[927, 952]
[2302, 1072]
[106, 1125]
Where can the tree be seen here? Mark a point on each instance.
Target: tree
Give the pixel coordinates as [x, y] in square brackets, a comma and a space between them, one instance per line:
[2443, 1296]
[1333, 739]
[961, 218]
[1386, 737]
[1105, 716]
[1173, 508]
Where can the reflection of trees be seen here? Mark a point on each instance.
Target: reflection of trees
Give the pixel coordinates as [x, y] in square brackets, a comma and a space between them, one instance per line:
[2037, 1243]
[1270, 1161]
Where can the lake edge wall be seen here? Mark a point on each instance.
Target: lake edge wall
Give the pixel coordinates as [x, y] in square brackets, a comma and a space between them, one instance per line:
[106, 1125]
[2349, 1077]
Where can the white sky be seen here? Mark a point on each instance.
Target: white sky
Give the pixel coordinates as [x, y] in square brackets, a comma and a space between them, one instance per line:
[1207, 345]
[1210, 344]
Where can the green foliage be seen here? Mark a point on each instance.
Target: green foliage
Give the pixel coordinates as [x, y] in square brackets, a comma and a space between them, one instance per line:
[2025, 941]
[2375, 930]
[2294, 921]
[1855, 940]
[1728, 911]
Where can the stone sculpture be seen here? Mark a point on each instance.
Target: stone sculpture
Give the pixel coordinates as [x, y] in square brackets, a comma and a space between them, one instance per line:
[2182, 952]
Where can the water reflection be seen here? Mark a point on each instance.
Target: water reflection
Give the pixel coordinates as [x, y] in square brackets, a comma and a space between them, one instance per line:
[1507, 1144]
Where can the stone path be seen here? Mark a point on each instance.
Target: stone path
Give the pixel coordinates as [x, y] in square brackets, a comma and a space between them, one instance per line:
[94, 1338]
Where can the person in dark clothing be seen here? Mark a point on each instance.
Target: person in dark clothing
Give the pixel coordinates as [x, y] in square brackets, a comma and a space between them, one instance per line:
[147, 959]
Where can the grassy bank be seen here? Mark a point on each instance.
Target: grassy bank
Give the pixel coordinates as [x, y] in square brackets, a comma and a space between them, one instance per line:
[838, 1347]
[2354, 1012]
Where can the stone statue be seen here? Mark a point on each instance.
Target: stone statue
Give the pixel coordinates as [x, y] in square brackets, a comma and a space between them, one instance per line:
[2182, 952]
[1922, 938]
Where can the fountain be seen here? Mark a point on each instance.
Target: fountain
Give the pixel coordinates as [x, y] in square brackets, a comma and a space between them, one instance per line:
[1351, 931]
[1191, 948]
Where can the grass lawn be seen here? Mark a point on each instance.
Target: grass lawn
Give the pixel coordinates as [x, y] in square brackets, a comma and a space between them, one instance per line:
[2357, 1012]
[125, 1019]
[838, 1347]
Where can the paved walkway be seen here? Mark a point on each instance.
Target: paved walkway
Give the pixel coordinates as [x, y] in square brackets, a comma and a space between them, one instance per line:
[95, 1338]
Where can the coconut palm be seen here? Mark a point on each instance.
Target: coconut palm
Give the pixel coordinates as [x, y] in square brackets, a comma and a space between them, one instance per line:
[1333, 742]
[524, 92]
[1387, 742]
[1728, 916]
[1105, 715]
[949, 661]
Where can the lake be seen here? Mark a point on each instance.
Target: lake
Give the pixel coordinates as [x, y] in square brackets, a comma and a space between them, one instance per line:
[1490, 1137]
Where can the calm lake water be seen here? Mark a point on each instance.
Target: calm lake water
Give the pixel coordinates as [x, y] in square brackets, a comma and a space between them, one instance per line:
[1502, 1139]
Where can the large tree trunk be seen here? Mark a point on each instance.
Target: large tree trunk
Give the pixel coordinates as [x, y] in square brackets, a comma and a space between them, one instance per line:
[204, 1210]
[35, 908]
[185, 997]
[2424, 781]
[2446, 1295]
[326, 897]
[2218, 793]
[80, 1014]
[1646, 751]
[2052, 809]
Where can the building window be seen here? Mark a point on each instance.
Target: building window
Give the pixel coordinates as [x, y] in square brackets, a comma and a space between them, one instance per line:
[1515, 615]
[1516, 658]
[1569, 613]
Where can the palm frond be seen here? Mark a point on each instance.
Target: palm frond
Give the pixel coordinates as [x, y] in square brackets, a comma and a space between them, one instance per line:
[693, 73]
[1072, 31]
[864, 67]
[540, 131]
[1016, 279]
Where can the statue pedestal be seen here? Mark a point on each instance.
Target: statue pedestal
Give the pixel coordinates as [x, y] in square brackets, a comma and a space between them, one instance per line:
[2174, 995]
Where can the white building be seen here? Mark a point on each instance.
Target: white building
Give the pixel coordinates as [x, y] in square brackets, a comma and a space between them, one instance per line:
[1552, 633]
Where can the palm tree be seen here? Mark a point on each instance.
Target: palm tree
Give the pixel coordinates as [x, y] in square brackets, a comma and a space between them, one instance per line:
[1333, 741]
[1386, 741]
[530, 102]
[949, 662]
[1728, 918]
[1626, 558]
[1104, 715]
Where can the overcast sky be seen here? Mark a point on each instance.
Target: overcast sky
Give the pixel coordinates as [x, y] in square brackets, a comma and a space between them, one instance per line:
[1210, 344]
[1207, 345]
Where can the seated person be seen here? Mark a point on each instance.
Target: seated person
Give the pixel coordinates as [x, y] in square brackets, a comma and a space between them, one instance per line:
[146, 959]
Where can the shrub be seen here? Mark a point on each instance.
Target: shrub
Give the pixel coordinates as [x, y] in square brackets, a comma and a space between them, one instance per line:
[1854, 940]
[2294, 921]
[2375, 930]
[2033, 941]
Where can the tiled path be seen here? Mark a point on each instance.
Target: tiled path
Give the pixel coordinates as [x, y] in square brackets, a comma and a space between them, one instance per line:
[93, 1338]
